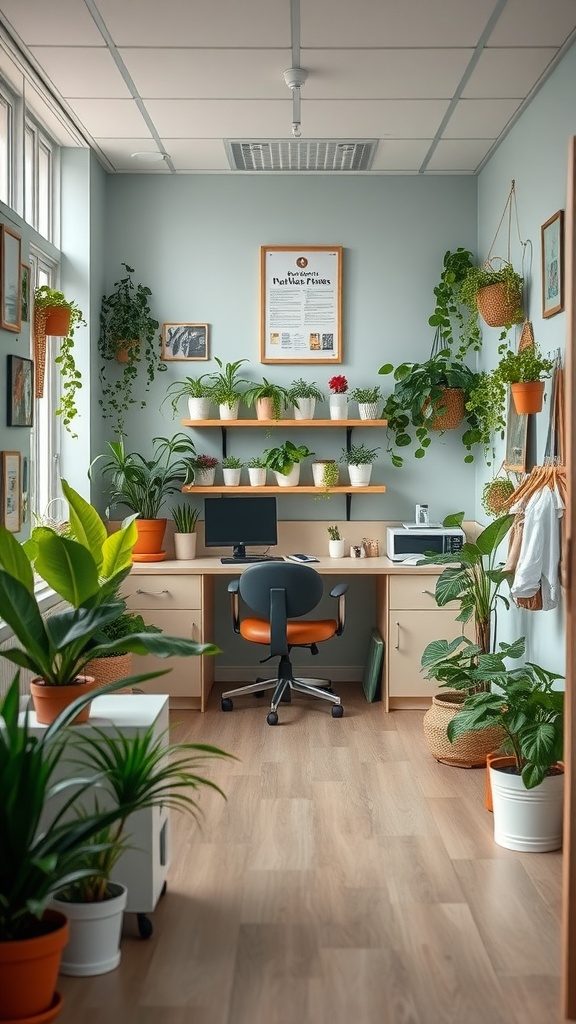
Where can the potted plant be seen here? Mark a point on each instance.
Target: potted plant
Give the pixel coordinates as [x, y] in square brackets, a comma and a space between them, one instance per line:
[231, 469]
[303, 395]
[429, 396]
[185, 518]
[197, 390]
[257, 471]
[55, 315]
[335, 542]
[226, 388]
[486, 408]
[525, 371]
[448, 317]
[367, 399]
[129, 337]
[496, 293]
[268, 399]
[204, 469]
[338, 397]
[284, 461]
[359, 459]
[143, 485]
[325, 473]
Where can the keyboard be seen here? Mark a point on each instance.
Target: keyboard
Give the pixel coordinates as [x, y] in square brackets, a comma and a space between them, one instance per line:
[251, 558]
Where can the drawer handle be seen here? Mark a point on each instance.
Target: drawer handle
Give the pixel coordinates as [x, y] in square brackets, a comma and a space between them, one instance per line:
[153, 593]
[397, 644]
[429, 592]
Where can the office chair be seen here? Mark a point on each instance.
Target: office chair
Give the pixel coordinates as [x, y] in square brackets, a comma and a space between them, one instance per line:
[278, 593]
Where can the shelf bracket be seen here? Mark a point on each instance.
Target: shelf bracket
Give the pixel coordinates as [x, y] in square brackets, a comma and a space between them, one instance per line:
[348, 438]
[224, 442]
[348, 507]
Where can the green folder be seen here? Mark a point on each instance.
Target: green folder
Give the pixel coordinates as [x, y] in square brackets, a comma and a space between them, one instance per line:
[373, 668]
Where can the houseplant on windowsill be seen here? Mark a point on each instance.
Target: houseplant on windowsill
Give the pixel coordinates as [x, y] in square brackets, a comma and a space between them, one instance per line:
[227, 385]
[129, 337]
[303, 395]
[55, 315]
[359, 459]
[367, 399]
[284, 461]
[198, 392]
[185, 518]
[268, 399]
[338, 397]
[525, 371]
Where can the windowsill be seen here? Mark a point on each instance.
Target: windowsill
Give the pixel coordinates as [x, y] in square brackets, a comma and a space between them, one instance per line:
[46, 598]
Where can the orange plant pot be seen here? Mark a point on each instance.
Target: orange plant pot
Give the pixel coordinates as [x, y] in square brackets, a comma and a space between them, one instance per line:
[123, 350]
[504, 760]
[528, 397]
[29, 971]
[50, 701]
[148, 547]
[57, 321]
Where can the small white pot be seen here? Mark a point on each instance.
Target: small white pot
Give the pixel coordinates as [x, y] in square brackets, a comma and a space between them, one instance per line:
[338, 407]
[229, 412]
[185, 545]
[359, 475]
[204, 477]
[231, 476]
[529, 820]
[368, 410]
[94, 945]
[318, 471]
[305, 410]
[293, 478]
[336, 548]
[257, 475]
[199, 408]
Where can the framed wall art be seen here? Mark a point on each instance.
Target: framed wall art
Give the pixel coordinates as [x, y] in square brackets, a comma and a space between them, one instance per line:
[11, 467]
[184, 341]
[552, 233]
[301, 304]
[19, 403]
[10, 280]
[25, 293]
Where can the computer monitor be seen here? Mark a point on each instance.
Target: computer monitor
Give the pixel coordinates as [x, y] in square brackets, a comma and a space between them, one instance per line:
[240, 522]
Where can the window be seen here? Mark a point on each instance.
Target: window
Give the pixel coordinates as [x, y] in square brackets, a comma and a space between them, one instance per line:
[38, 179]
[6, 145]
[45, 440]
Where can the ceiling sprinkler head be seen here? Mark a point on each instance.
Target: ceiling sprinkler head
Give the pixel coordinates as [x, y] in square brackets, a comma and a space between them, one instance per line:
[296, 130]
[295, 77]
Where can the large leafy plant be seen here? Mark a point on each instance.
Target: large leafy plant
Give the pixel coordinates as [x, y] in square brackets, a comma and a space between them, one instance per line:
[143, 485]
[283, 458]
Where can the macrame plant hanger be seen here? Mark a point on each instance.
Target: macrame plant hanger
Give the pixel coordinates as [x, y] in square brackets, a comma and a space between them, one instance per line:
[509, 315]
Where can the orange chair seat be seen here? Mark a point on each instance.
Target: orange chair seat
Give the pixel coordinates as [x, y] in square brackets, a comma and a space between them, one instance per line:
[311, 631]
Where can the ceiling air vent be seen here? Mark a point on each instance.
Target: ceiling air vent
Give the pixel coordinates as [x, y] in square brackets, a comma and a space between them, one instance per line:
[300, 154]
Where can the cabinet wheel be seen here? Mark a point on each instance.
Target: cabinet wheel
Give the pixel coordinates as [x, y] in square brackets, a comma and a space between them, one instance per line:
[145, 926]
[272, 718]
[226, 704]
[337, 711]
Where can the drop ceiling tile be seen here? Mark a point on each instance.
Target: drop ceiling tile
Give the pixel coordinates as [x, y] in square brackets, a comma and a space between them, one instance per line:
[412, 23]
[198, 154]
[383, 73]
[82, 71]
[52, 22]
[404, 155]
[480, 119]
[251, 23]
[457, 155]
[110, 118]
[507, 72]
[119, 153]
[209, 73]
[534, 23]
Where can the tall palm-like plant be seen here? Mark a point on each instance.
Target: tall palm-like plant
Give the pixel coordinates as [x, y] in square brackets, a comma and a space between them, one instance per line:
[141, 484]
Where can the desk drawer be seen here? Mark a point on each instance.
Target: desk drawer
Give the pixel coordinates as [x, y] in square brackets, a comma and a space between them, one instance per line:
[413, 591]
[162, 591]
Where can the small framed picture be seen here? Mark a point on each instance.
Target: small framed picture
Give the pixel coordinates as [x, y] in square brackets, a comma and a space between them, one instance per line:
[11, 491]
[552, 233]
[184, 341]
[10, 310]
[20, 404]
[25, 292]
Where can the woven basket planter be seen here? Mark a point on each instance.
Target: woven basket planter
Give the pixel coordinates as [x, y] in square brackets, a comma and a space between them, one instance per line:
[470, 749]
[499, 305]
[108, 670]
[452, 405]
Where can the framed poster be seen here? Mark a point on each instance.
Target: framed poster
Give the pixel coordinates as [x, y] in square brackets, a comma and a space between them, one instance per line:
[184, 341]
[19, 404]
[10, 312]
[11, 491]
[301, 304]
[552, 233]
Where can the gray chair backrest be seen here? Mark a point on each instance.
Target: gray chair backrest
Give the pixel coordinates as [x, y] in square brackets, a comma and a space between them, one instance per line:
[302, 585]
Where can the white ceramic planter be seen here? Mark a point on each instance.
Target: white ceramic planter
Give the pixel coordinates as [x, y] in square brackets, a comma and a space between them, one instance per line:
[306, 409]
[229, 412]
[368, 410]
[338, 407]
[336, 548]
[185, 545]
[204, 477]
[360, 475]
[293, 478]
[94, 945]
[199, 408]
[257, 476]
[231, 476]
[528, 820]
[318, 471]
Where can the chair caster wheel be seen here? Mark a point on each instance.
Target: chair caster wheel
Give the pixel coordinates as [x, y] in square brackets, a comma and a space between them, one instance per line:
[337, 711]
[272, 718]
[226, 704]
[145, 926]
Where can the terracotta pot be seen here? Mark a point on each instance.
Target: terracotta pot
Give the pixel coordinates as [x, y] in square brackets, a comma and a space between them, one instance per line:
[148, 547]
[57, 321]
[50, 701]
[528, 397]
[123, 349]
[29, 971]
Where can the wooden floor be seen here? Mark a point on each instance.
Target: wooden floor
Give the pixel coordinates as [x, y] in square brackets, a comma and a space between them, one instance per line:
[347, 879]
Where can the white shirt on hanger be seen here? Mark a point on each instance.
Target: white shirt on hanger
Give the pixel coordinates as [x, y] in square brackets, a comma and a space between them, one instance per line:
[540, 550]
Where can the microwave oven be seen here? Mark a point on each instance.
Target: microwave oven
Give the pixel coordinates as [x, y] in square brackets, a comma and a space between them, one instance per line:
[402, 543]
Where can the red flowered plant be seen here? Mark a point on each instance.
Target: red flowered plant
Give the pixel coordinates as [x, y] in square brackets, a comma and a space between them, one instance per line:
[205, 462]
[338, 384]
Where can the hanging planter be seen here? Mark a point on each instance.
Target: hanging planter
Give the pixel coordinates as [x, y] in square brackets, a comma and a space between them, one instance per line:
[54, 316]
[500, 304]
[57, 321]
[528, 397]
[448, 411]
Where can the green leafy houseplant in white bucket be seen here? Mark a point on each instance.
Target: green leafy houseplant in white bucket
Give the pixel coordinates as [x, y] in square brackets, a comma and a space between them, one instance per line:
[284, 461]
[196, 390]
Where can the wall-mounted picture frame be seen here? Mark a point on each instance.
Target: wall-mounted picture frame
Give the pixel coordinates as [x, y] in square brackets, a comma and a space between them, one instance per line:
[20, 401]
[184, 341]
[25, 310]
[11, 491]
[10, 280]
[552, 236]
[301, 304]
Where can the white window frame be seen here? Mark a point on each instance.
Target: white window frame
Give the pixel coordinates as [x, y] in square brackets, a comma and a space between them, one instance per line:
[10, 99]
[46, 434]
[40, 139]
